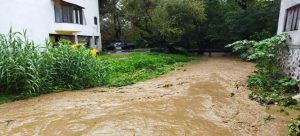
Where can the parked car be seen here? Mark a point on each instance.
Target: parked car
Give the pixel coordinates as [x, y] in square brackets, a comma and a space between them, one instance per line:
[121, 46]
[115, 46]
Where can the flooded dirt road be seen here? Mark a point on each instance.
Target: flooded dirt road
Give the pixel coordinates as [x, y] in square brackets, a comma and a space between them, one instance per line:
[205, 98]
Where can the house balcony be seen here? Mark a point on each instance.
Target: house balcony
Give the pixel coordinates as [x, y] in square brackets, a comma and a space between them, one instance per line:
[69, 17]
[68, 28]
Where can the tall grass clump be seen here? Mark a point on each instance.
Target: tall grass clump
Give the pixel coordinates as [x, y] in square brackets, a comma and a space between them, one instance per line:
[19, 65]
[70, 67]
[26, 71]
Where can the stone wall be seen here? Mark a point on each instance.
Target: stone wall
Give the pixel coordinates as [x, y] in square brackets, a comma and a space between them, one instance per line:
[290, 61]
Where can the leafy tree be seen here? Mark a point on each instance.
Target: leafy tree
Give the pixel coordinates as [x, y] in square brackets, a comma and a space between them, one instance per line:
[111, 20]
[233, 20]
[139, 14]
[188, 23]
[161, 22]
[177, 20]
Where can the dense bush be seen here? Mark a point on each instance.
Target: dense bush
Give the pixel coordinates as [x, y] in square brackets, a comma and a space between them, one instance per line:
[282, 84]
[243, 48]
[265, 53]
[269, 85]
[258, 81]
[294, 127]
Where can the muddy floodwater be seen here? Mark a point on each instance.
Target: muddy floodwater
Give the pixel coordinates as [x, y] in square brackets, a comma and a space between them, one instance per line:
[207, 97]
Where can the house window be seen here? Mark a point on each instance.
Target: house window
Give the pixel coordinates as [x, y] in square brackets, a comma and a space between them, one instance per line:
[68, 13]
[292, 19]
[58, 13]
[95, 20]
[78, 16]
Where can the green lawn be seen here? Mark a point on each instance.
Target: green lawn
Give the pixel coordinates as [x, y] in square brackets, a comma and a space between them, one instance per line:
[126, 69]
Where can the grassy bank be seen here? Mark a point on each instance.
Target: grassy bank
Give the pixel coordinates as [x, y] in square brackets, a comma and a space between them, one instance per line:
[126, 69]
[118, 70]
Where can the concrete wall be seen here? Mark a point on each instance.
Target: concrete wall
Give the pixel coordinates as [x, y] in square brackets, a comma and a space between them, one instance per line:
[38, 18]
[290, 59]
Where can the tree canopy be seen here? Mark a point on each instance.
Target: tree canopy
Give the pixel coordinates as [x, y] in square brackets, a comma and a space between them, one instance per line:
[187, 23]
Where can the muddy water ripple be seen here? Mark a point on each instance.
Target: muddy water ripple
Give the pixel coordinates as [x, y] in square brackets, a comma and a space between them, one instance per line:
[195, 100]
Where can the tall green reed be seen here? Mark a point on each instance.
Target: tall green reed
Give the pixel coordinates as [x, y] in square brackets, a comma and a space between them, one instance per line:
[26, 71]
[71, 68]
[19, 64]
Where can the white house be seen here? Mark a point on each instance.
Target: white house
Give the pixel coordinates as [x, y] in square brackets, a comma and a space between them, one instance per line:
[289, 20]
[289, 23]
[73, 20]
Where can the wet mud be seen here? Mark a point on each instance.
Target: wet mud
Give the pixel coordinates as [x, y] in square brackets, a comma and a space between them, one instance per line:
[206, 97]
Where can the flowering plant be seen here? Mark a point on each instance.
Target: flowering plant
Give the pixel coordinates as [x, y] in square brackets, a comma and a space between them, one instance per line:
[94, 52]
[76, 46]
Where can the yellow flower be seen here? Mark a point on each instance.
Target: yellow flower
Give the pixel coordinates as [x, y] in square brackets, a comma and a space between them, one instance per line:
[94, 52]
[75, 46]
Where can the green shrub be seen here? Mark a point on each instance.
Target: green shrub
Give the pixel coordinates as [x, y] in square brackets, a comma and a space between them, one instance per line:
[258, 81]
[265, 53]
[294, 127]
[267, 90]
[20, 64]
[287, 85]
[264, 97]
[269, 85]
[243, 48]
[282, 84]
[272, 97]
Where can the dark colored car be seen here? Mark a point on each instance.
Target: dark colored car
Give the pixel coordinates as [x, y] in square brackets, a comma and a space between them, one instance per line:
[128, 46]
[115, 46]
[121, 46]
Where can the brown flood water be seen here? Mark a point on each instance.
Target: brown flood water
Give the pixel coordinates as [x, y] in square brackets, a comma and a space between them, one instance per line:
[194, 100]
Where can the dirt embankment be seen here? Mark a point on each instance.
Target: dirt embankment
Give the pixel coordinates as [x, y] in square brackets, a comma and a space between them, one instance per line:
[206, 97]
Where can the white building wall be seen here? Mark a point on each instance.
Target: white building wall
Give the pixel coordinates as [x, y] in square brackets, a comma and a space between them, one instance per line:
[38, 18]
[295, 35]
[31, 15]
[290, 56]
